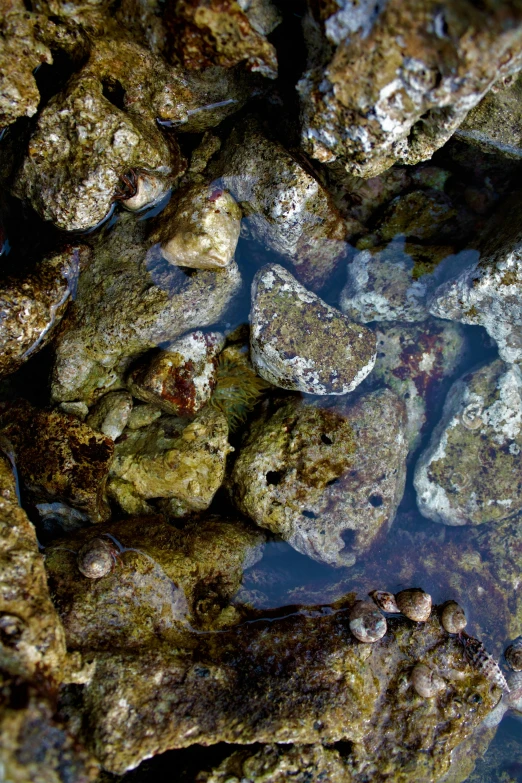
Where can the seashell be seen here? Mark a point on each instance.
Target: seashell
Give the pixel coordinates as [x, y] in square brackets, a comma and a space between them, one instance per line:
[414, 604]
[513, 655]
[483, 662]
[366, 622]
[96, 558]
[426, 681]
[453, 618]
[149, 188]
[471, 416]
[385, 601]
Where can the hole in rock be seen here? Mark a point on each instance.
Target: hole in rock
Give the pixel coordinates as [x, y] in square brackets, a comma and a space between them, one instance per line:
[309, 514]
[274, 477]
[325, 439]
[348, 538]
[376, 500]
[114, 92]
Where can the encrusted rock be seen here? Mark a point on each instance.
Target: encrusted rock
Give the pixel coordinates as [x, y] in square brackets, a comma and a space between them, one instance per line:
[326, 479]
[299, 342]
[111, 414]
[471, 472]
[143, 415]
[392, 81]
[202, 229]
[171, 459]
[58, 457]
[129, 301]
[33, 305]
[285, 207]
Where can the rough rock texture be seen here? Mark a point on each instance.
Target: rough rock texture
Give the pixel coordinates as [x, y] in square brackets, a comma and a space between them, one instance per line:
[165, 584]
[471, 471]
[111, 414]
[32, 306]
[58, 457]
[285, 207]
[129, 301]
[171, 459]
[298, 342]
[224, 32]
[392, 81]
[326, 479]
[202, 229]
[21, 52]
[495, 125]
[181, 379]
[415, 361]
[487, 290]
[300, 679]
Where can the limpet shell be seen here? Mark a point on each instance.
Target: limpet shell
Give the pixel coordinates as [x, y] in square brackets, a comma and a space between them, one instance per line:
[96, 558]
[366, 622]
[426, 681]
[513, 655]
[385, 601]
[453, 618]
[414, 604]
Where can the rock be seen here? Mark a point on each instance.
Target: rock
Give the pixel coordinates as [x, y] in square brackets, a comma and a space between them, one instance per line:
[392, 82]
[418, 215]
[143, 415]
[486, 291]
[298, 679]
[166, 583]
[130, 301]
[32, 306]
[77, 409]
[202, 230]
[217, 33]
[111, 414]
[415, 361]
[299, 342]
[470, 473]
[285, 207]
[58, 457]
[326, 479]
[171, 459]
[495, 125]
[181, 379]
[22, 51]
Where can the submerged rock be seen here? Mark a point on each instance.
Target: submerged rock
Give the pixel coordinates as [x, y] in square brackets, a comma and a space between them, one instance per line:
[299, 342]
[326, 479]
[111, 414]
[130, 301]
[471, 471]
[392, 81]
[171, 459]
[285, 207]
[58, 457]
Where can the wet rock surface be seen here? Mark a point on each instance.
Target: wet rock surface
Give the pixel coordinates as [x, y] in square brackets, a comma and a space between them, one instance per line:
[495, 125]
[326, 479]
[298, 342]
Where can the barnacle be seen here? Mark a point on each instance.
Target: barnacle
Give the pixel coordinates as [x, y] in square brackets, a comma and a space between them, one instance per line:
[238, 388]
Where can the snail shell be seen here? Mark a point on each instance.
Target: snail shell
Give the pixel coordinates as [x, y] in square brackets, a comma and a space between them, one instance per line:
[426, 681]
[96, 558]
[471, 416]
[453, 618]
[513, 655]
[414, 604]
[366, 622]
[385, 601]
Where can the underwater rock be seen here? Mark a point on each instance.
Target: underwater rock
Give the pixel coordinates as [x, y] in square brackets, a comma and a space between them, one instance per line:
[299, 342]
[111, 414]
[392, 81]
[224, 33]
[202, 228]
[22, 51]
[165, 583]
[33, 305]
[130, 301]
[471, 471]
[171, 459]
[487, 291]
[143, 415]
[418, 215]
[326, 479]
[181, 379]
[296, 679]
[58, 457]
[285, 207]
[416, 361]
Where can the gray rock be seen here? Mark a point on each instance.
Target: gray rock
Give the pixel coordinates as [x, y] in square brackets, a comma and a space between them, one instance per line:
[143, 415]
[111, 414]
[129, 301]
[471, 471]
[326, 479]
[299, 342]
